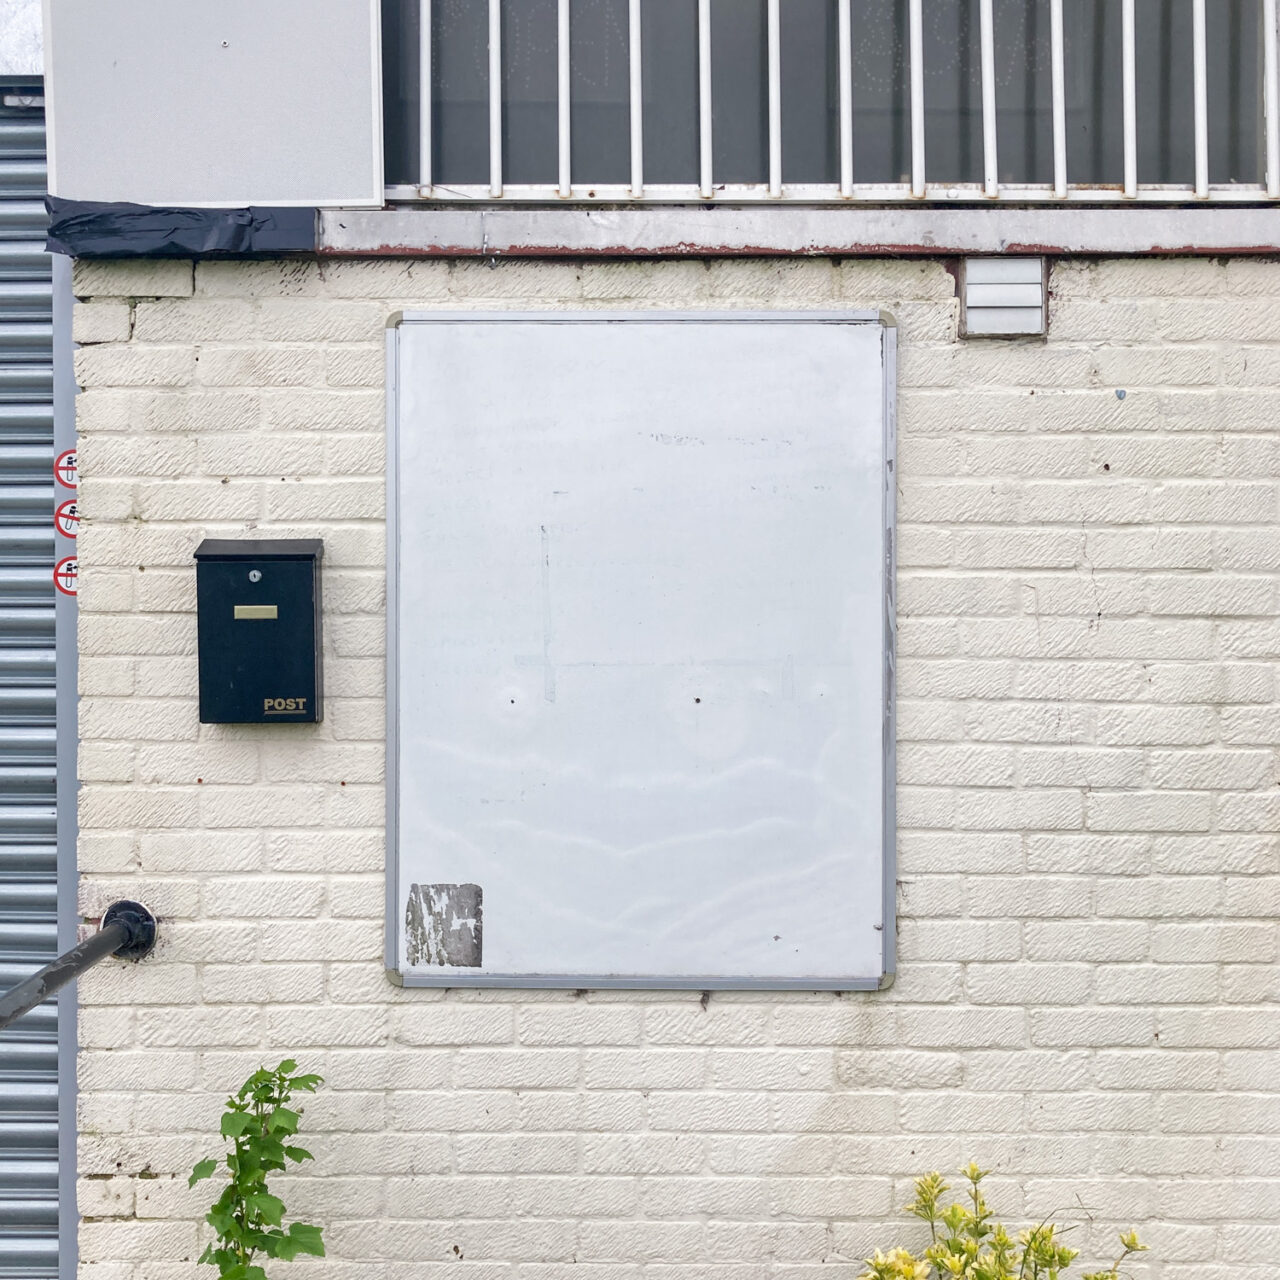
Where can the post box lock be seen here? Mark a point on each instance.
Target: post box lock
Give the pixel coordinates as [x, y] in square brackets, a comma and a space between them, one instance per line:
[258, 631]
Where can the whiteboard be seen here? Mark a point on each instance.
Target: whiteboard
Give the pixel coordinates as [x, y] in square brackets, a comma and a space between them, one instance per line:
[640, 650]
[242, 102]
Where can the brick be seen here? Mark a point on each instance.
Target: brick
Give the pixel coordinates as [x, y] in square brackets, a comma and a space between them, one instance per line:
[101, 322]
[193, 410]
[1028, 1070]
[920, 851]
[1211, 770]
[132, 278]
[960, 939]
[1158, 548]
[1149, 811]
[1017, 548]
[315, 320]
[1092, 1026]
[265, 984]
[1039, 984]
[581, 1024]
[1213, 502]
[457, 1024]
[264, 897]
[193, 321]
[654, 1153]
[1099, 941]
[121, 365]
[1141, 1069]
[1158, 984]
[515, 1069]
[1215, 942]
[977, 1028]
[776, 1069]
[254, 366]
[1235, 1028]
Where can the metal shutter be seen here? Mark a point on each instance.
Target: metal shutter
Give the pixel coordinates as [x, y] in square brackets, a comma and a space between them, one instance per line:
[28, 872]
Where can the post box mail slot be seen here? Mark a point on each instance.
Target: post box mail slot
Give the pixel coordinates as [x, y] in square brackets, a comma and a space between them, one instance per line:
[258, 622]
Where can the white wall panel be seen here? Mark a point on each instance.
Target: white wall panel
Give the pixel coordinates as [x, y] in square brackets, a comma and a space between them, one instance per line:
[171, 102]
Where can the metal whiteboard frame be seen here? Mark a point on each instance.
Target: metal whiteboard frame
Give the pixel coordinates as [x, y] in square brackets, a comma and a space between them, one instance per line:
[888, 860]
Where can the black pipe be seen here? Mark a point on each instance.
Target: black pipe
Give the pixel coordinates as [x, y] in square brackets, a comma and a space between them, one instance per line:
[128, 931]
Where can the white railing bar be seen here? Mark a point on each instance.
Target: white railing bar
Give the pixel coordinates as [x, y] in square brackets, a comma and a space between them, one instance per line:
[917, 99]
[1201, 79]
[563, 102]
[990, 165]
[637, 100]
[705, 188]
[424, 96]
[846, 100]
[1059, 99]
[1128, 53]
[775, 98]
[495, 98]
[1272, 90]
[956, 195]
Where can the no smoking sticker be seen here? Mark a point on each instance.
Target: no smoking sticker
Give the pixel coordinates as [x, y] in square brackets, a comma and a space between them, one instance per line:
[67, 518]
[65, 575]
[64, 469]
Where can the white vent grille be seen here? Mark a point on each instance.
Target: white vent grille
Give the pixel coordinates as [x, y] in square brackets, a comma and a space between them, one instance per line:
[1003, 297]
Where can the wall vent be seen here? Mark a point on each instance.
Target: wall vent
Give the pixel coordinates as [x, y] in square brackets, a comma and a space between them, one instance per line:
[1003, 297]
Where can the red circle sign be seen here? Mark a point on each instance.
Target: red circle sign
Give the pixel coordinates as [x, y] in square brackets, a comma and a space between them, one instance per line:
[64, 469]
[65, 575]
[67, 518]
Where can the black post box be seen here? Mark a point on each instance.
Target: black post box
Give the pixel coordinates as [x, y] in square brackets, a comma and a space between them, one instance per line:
[258, 623]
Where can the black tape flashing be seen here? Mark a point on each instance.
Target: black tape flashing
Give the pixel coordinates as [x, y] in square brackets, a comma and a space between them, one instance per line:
[87, 229]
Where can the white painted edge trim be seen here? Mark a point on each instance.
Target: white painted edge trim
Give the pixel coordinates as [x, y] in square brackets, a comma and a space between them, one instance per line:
[916, 71]
[495, 98]
[1271, 96]
[1128, 44]
[564, 100]
[705, 155]
[424, 94]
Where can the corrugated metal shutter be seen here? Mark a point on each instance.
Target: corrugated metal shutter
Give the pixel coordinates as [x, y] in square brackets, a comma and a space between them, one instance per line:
[28, 872]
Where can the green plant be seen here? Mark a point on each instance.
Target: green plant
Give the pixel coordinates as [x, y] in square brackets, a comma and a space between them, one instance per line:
[249, 1220]
[966, 1243]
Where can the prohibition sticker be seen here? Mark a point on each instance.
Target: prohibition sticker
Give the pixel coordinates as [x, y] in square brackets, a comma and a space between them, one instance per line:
[67, 518]
[65, 574]
[64, 469]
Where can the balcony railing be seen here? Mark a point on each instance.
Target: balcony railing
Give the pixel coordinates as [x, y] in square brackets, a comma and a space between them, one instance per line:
[827, 101]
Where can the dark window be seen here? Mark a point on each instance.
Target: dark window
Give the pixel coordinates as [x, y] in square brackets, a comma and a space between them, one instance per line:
[600, 110]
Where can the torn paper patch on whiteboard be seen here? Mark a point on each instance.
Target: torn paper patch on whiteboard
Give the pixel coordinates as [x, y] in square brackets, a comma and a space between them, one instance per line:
[444, 924]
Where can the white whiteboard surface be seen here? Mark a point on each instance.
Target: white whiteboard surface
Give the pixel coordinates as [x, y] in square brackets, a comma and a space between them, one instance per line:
[192, 104]
[640, 650]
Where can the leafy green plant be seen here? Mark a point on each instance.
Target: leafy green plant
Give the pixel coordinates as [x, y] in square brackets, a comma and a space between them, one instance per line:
[966, 1243]
[249, 1220]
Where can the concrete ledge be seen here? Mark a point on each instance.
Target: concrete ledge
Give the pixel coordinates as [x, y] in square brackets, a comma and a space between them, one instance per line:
[693, 231]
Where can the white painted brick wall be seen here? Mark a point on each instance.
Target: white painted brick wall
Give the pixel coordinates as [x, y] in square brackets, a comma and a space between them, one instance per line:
[1089, 996]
